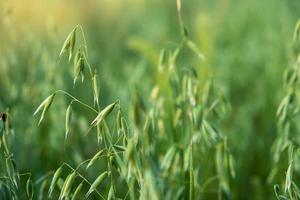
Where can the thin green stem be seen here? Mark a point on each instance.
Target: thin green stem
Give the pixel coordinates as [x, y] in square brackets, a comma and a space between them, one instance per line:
[78, 167]
[25, 174]
[83, 36]
[77, 100]
[89, 66]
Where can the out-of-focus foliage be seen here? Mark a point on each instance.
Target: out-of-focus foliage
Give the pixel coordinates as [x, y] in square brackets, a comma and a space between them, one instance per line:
[247, 46]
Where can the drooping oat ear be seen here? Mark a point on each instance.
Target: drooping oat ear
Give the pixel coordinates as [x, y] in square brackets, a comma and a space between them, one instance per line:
[79, 69]
[68, 120]
[40, 107]
[95, 158]
[99, 134]
[77, 191]
[67, 186]
[77, 57]
[73, 41]
[69, 44]
[96, 183]
[101, 116]
[45, 105]
[95, 89]
[56, 176]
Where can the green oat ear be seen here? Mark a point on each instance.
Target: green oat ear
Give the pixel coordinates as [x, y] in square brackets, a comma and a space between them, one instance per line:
[289, 178]
[45, 105]
[101, 116]
[96, 183]
[81, 55]
[77, 191]
[95, 89]
[69, 44]
[66, 189]
[95, 158]
[55, 178]
[79, 69]
[68, 120]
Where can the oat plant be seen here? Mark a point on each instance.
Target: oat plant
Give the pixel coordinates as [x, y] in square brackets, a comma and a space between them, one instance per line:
[286, 146]
[161, 154]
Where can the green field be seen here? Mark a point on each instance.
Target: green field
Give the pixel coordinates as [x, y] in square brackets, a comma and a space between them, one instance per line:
[137, 99]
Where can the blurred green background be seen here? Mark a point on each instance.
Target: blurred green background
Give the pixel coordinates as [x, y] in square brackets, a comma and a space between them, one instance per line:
[247, 44]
